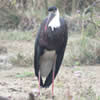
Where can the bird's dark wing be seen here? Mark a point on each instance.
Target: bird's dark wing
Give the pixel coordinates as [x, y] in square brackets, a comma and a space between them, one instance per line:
[37, 53]
[38, 50]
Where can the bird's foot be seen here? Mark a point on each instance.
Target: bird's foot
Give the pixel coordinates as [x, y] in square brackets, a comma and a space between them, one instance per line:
[53, 97]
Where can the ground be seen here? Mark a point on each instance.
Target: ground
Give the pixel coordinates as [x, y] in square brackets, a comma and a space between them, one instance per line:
[72, 83]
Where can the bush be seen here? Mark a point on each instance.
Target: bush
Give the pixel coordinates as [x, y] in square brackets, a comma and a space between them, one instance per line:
[81, 52]
[9, 18]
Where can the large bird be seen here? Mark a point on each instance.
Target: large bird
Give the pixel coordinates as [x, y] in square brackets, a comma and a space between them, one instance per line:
[50, 44]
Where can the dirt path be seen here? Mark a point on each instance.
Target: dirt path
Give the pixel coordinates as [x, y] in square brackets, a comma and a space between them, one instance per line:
[17, 82]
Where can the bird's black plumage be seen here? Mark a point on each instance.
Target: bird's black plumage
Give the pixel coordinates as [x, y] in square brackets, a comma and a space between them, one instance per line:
[50, 40]
[53, 8]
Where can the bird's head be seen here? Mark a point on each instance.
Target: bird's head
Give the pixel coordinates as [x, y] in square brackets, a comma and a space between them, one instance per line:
[53, 18]
[52, 10]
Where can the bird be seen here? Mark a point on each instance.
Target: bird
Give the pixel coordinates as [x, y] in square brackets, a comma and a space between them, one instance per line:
[50, 44]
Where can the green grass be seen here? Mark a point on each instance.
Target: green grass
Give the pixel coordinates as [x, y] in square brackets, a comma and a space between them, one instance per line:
[16, 35]
[25, 74]
[98, 97]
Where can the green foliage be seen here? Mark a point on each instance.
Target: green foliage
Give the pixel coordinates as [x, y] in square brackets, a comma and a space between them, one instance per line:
[9, 19]
[13, 2]
[91, 30]
[25, 74]
[98, 97]
[16, 35]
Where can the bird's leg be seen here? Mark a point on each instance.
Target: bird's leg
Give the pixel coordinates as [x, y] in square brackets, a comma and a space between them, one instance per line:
[53, 76]
[53, 84]
[39, 81]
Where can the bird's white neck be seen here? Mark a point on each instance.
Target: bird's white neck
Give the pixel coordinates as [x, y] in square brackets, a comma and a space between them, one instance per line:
[55, 22]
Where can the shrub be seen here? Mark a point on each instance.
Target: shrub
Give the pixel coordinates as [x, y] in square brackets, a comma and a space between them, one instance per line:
[82, 52]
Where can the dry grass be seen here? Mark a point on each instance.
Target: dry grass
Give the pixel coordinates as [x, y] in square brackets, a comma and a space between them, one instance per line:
[83, 52]
[21, 60]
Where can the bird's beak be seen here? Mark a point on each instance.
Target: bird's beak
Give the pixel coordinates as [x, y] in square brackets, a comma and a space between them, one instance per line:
[51, 15]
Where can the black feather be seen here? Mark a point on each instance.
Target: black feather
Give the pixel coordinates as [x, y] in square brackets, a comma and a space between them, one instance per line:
[53, 8]
[50, 40]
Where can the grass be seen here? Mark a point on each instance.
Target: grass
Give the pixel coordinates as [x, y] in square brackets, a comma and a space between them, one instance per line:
[25, 74]
[80, 52]
[21, 60]
[88, 94]
[98, 97]
[16, 35]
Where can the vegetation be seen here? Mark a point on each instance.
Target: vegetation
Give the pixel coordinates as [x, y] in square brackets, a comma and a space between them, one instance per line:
[20, 19]
[21, 60]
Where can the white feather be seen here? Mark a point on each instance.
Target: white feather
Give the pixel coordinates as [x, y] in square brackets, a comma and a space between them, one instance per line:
[55, 22]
